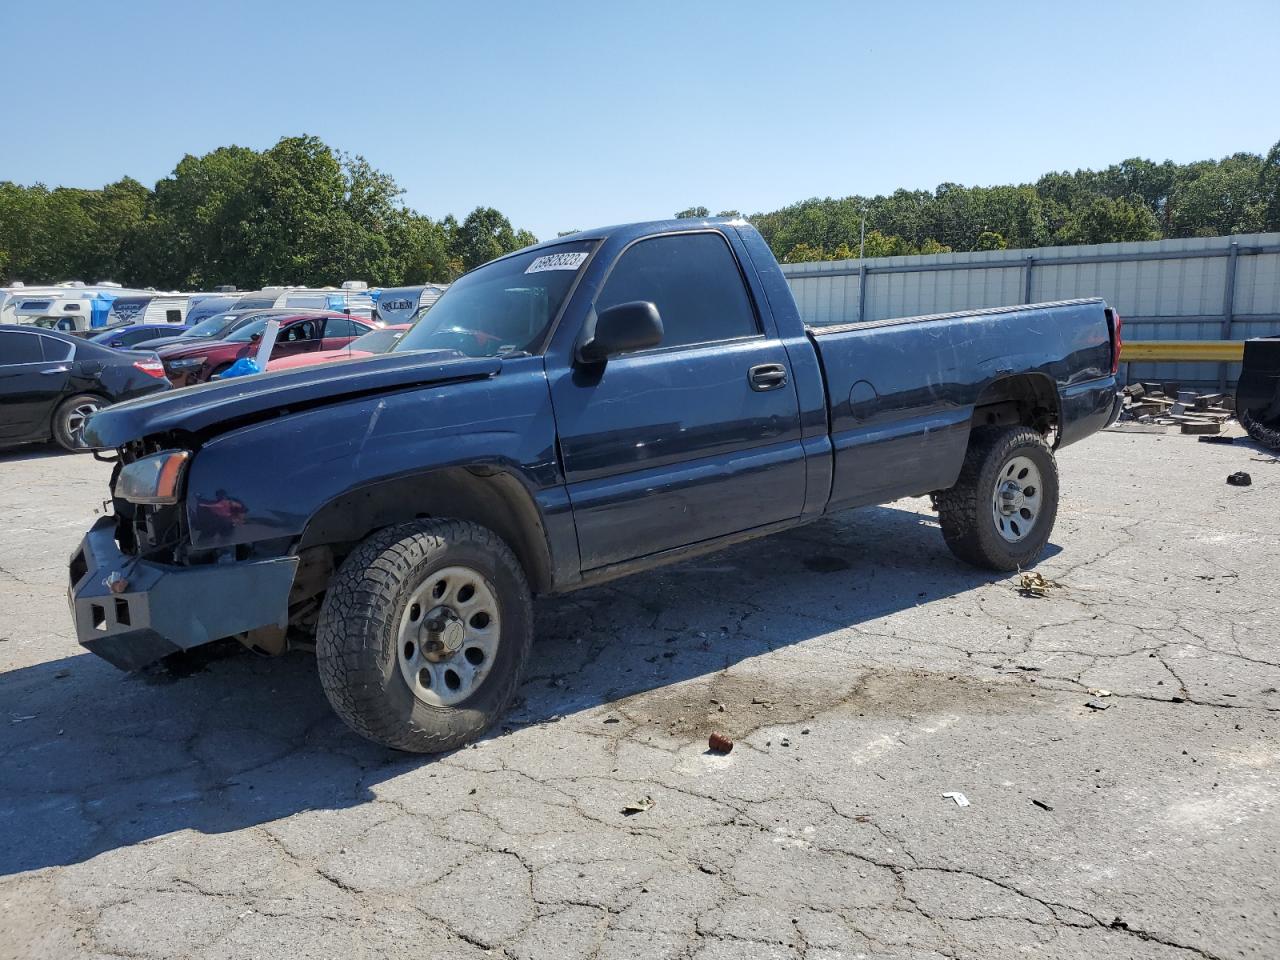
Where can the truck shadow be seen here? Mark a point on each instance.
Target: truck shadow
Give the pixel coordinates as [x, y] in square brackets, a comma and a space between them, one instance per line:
[92, 760]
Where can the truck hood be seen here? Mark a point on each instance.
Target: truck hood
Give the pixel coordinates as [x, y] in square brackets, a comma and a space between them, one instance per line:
[225, 404]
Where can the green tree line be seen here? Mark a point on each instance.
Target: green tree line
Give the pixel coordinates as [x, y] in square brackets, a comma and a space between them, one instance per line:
[301, 212]
[1136, 199]
[296, 213]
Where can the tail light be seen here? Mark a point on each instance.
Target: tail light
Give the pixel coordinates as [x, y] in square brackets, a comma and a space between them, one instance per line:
[153, 368]
[1117, 341]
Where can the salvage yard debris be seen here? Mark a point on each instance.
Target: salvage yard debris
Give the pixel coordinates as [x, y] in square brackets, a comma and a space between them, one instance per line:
[719, 743]
[1158, 407]
[1240, 479]
[637, 806]
[960, 799]
[1035, 584]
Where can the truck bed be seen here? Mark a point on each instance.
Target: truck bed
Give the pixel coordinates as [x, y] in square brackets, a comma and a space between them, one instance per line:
[901, 392]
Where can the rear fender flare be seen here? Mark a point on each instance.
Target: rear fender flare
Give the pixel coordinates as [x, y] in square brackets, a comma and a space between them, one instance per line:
[1014, 399]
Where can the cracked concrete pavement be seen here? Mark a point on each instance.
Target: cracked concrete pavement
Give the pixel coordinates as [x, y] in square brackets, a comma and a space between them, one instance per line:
[863, 673]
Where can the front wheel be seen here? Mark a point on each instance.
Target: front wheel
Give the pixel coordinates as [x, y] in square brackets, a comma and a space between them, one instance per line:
[1001, 511]
[424, 634]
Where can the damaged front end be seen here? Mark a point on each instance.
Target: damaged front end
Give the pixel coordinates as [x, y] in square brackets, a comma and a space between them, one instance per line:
[138, 592]
[200, 545]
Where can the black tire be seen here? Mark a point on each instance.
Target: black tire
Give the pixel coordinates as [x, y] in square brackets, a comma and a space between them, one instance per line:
[1268, 436]
[357, 638]
[965, 510]
[68, 415]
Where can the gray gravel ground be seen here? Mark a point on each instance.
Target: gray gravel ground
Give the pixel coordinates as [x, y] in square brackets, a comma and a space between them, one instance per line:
[863, 674]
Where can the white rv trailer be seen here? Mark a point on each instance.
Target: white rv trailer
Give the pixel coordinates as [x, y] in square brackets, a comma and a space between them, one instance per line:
[76, 307]
[9, 297]
[151, 308]
[202, 306]
[71, 307]
[406, 304]
[352, 297]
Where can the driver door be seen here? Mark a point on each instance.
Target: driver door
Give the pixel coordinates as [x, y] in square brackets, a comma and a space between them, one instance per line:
[690, 441]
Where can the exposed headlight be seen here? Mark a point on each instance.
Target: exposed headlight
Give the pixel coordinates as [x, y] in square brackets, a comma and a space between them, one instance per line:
[187, 363]
[153, 479]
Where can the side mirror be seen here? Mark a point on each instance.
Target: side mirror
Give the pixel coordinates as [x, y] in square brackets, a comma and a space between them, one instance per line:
[620, 329]
[255, 338]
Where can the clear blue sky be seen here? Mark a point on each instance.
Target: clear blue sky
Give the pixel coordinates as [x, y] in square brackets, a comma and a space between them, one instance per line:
[576, 115]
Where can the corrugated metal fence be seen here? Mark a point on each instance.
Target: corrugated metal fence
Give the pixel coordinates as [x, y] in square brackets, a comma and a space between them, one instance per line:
[1204, 288]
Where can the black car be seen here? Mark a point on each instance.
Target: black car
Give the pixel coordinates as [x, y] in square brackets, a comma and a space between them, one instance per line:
[50, 383]
[217, 326]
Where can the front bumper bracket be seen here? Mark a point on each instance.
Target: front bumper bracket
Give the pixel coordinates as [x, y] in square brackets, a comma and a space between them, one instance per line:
[164, 609]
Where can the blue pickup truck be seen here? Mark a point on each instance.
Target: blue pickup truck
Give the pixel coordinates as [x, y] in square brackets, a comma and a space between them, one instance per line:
[576, 411]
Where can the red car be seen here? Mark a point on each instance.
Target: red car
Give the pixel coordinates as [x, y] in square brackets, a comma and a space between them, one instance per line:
[373, 342]
[303, 333]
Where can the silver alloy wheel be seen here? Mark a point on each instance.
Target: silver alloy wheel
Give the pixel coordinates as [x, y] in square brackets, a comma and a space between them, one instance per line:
[77, 417]
[1017, 500]
[449, 634]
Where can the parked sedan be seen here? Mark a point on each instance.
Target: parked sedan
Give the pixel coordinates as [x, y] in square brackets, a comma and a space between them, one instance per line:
[51, 383]
[215, 327]
[305, 332]
[126, 336]
[373, 342]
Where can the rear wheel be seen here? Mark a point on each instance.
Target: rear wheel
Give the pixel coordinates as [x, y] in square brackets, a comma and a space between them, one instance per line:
[70, 418]
[424, 634]
[1267, 434]
[1001, 511]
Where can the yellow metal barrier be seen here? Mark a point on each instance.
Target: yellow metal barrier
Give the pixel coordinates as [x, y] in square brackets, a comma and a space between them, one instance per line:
[1230, 351]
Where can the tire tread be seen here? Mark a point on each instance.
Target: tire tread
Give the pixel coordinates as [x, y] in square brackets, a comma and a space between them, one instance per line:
[356, 622]
[56, 424]
[1262, 433]
[963, 507]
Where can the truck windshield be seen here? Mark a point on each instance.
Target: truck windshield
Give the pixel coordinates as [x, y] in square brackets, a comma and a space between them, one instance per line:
[503, 307]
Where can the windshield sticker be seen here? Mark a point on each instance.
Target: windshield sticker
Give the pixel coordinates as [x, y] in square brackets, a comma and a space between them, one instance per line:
[557, 261]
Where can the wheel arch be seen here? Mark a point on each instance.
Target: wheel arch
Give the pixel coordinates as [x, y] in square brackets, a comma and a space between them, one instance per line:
[1029, 399]
[491, 497]
[66, 398]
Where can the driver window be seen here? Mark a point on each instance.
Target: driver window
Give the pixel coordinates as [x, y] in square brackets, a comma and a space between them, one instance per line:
[693, 280]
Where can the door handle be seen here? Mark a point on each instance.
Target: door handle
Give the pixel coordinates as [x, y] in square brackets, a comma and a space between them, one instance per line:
[55, 370]
[767, 376]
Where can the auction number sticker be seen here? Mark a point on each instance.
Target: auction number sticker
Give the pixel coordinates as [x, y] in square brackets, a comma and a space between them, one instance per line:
[557, 261]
